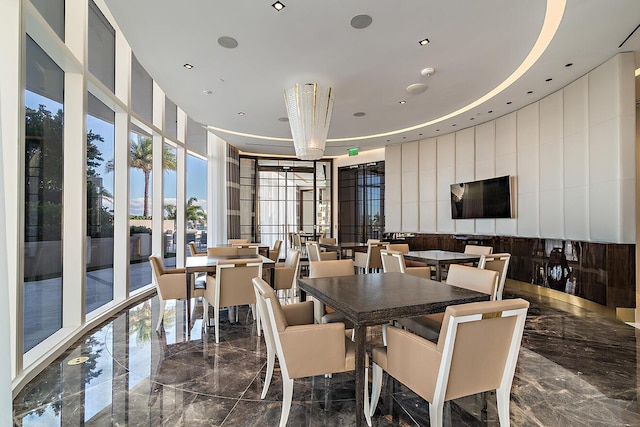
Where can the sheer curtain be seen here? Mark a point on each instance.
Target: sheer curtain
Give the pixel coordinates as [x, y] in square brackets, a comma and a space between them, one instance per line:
[217, 194]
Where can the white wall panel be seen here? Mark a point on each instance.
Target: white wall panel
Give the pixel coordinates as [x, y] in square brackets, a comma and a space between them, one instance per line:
[410, 217]
[604, 198]
[465, 171]
[552, 209]
[486, 166]
[528, 141]
[427, 174]
[410, 183]
[507, 164]
[551, 166]
[393, 188]
[446, 175]
[576, 213]
[604, 151]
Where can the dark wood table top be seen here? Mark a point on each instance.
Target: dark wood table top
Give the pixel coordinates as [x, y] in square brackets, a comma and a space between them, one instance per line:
[208, 263]
[370, 299]
[441, 256]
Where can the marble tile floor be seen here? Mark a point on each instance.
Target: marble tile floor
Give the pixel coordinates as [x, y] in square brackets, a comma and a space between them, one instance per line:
[575, 369]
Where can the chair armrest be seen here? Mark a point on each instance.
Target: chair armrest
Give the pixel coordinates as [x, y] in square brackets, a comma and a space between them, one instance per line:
[413, 360]
[173, 271]
[284, 277]
[299, 314]
[172, 286]
[314, 349]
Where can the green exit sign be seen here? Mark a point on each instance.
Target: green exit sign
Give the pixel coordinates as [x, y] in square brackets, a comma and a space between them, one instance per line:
[353, 151]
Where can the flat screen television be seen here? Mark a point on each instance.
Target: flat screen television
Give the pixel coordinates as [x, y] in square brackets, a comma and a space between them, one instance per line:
[489, 198]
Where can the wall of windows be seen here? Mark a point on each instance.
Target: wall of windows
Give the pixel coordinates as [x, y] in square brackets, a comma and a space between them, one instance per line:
[79, 151]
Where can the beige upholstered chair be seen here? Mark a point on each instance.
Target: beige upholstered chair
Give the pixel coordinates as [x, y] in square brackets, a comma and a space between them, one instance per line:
[231, 286]
[237, 241]
[336, 268]
[328, 240]
[477, 351]
[393, 261]
[244, 249]
[194, 250]
[328, 255]
[304, 349]
[462, 276]
[404, 248]
[478, 250]
[170, 284]
[316, 254]
[499, 263]
[286, 274]
[274, 254]
[222, 251]
[370, 260]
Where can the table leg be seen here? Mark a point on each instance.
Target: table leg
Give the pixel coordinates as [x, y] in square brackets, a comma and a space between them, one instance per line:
[188, 302]
[360, 338]
[438, 272]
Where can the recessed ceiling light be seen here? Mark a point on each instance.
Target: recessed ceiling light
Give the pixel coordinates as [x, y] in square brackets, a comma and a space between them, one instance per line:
[388, 140]
[361, 21]
[569, 64]
[508, 102]
[453, 124]
[228, 42]
[402, 102]
[490, 111]
[188, 66]
[529, 92]
[241, 113]
[419, 134]
[359, 114]
[424, 42]
[283, 119]
[404, 137]
[278, 6]
[549, 79]
[472, 118]
[207, 92]
[437, 130]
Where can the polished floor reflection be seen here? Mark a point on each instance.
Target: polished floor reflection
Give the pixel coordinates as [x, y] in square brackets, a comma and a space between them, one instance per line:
[575, 369]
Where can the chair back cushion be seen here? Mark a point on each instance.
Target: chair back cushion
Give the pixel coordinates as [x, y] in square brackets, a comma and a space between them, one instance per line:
[392, 261]
[266, 292]
[333, 268]
[292, 258]
[237, 241]
[477, 250]
[472, 278]
[400, 247]
[233, 277]
[222, 251]
[498, 263]
[328, 240]
[156, 265]
[313, 250]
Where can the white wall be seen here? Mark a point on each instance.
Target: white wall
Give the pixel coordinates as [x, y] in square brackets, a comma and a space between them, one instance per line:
[572, 155]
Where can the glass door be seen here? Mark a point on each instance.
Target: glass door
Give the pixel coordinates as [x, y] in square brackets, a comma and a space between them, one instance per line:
[291, 196]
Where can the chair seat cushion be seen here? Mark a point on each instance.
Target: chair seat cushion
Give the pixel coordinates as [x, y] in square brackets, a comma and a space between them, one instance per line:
[427, 326]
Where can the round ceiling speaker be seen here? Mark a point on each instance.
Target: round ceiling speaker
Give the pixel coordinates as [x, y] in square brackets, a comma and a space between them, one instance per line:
[416, 88]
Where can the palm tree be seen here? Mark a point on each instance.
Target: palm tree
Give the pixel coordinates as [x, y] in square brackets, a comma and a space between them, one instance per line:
[194, 213]
[141, 157]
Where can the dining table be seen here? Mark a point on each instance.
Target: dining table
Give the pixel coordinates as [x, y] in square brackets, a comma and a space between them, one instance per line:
[207, 264]
[378, 298]
[343, 248]
[439, 259]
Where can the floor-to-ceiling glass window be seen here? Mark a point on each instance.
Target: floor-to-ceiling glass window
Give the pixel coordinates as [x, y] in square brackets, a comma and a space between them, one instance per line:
[140, 226]
[170, 212]
[196, 208]
[100, 193]
[43, 187]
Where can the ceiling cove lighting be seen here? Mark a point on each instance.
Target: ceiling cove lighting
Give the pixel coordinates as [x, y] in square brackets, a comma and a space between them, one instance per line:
[553, 17]
[309, 108]
[278, 6]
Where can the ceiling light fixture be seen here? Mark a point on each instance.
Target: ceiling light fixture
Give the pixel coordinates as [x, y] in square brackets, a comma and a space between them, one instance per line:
[207, 92]
[188, 66]
[278, 6]
[402, 102]
[241, 113]
[424, 42]
[309, 107]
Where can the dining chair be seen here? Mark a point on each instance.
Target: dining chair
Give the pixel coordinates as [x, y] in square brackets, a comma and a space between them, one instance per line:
[394, 262]
[304, 349]
[328, 255]
[371, 259]
[222, 251]
[194, 251]
[286, 275]
[404, 248]
[335, 268]
[231, 286]
[316, 254]
[498, 263]
[237, 241]
[170, 284]
[462, 276]
[274, 254]
[244, 249]
[478, 250]
[477, 351]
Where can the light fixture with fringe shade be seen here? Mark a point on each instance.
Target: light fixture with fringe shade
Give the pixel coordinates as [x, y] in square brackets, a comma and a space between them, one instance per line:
[309, 107]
